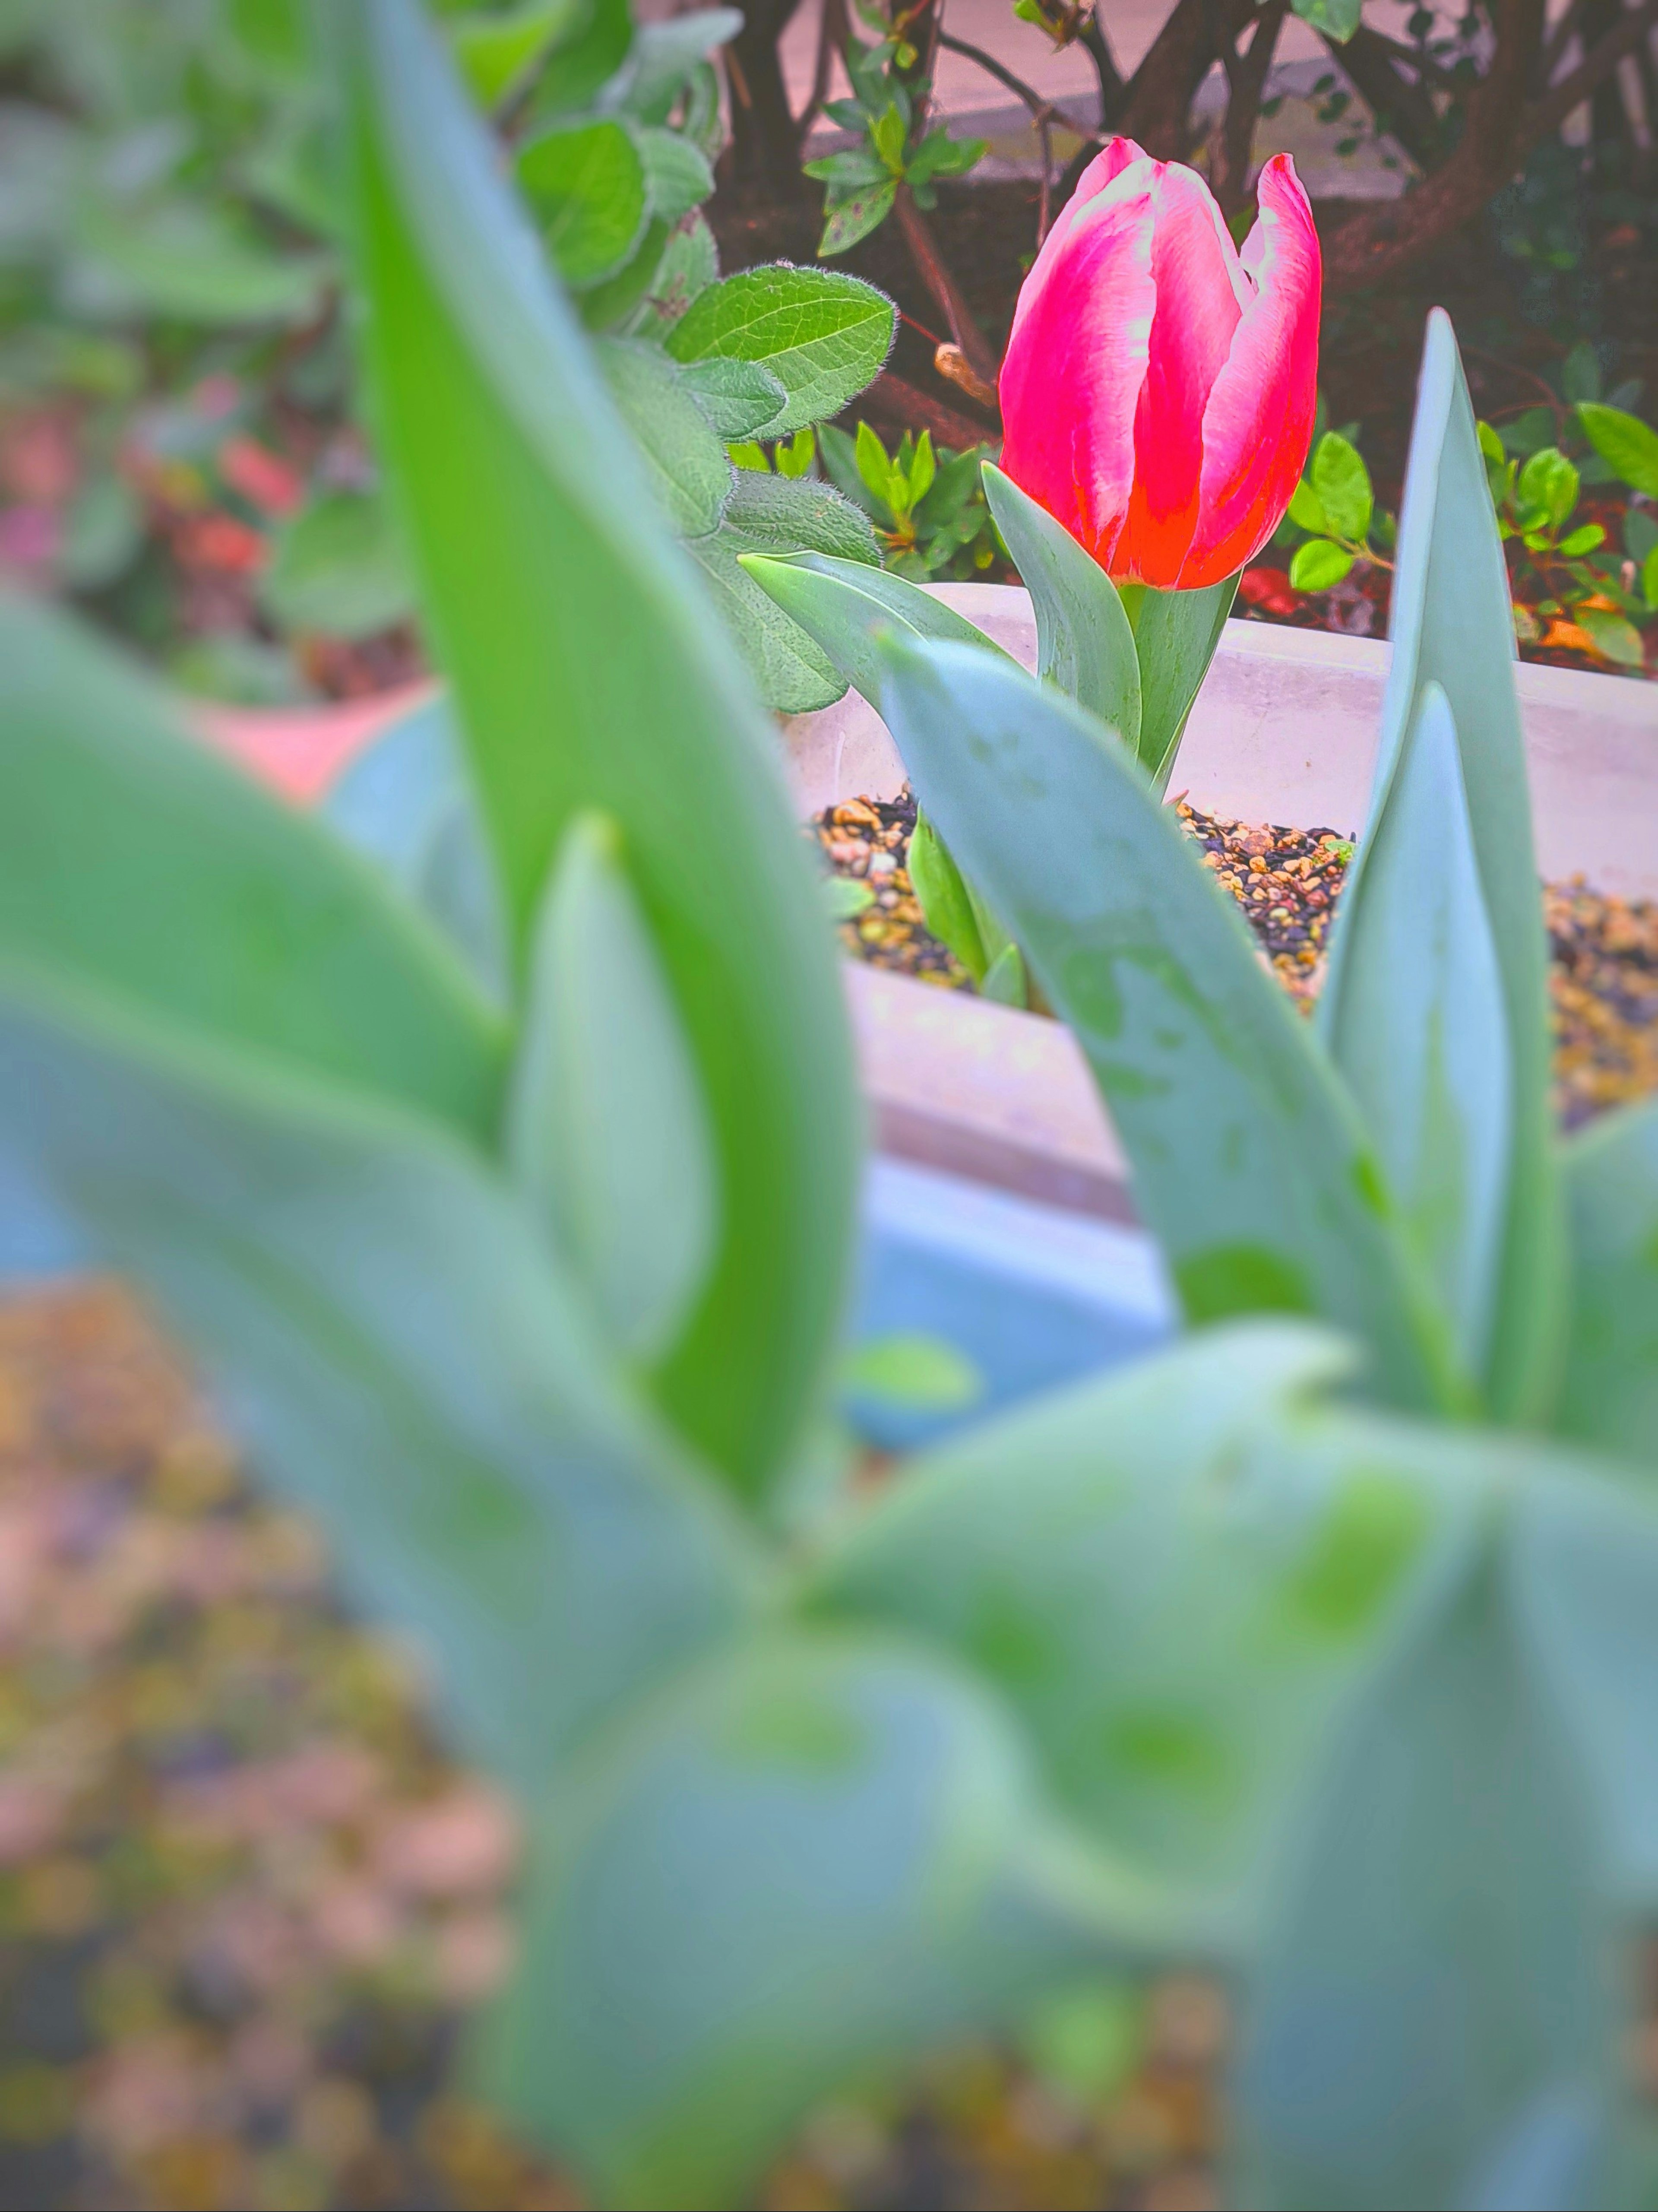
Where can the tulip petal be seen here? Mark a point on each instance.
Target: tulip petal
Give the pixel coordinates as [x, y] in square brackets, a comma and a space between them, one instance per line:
[1104, 169]
[1257, 423]
[1202, 292]
[1077, 359]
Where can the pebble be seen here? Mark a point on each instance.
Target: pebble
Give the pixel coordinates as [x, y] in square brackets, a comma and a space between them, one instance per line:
[1603, 974]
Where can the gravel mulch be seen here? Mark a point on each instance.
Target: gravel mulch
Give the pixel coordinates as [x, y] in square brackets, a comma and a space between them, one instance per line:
[1603, 972]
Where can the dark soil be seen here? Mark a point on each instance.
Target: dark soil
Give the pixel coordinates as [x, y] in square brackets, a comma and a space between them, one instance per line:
[1603, 972]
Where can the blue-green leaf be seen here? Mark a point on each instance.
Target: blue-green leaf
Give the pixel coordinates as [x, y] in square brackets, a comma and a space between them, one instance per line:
[1175, 636]
[1174, 1574]
[846, 607]
[1430, 2021]
[1609, 1394]
[588, 671]
[1084, 643]
[1250, 1165]
[1420, 1030]
[136, 858]
[816, 1856]
[407, 1363]
[1452, 625]
[607, 1133]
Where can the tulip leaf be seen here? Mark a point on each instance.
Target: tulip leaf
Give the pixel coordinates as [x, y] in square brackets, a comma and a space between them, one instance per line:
[821, 334]
[1609, 1395]
[1176, 635]
[1448, 1873]
[822, 1851]
[1584, 1564]
[1420, 1033]
[847, 606]
[1085, 644]
[1250, 1164]
[137, 858]
[407, 1363]
[405, 800]
[1164, 1521]
[607, 1133]
[587, 672]
[946, 905]
[1453, 625]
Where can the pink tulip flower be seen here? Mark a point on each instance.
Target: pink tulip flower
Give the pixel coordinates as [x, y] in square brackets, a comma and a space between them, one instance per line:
[1159, 388]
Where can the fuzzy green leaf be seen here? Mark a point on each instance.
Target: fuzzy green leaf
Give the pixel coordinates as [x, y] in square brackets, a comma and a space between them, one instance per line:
[822, 335]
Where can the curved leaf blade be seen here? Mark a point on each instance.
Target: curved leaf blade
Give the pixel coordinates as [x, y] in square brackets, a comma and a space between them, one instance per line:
[137, 858]
[845, 606]
[607, 1133]
[1175, 1574]
[1084, 643]
[1250, 1165]
[1420, 1030]
[587, 672]
[820, 1853]
[1452, 625]
[1609, 1393]
[406, 1361]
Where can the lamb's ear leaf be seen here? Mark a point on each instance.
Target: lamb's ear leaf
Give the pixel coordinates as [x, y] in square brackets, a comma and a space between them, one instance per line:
[845, 605]
[133, 857]
[607, 1131]
[1167, 1519]
[1609, 1393]
[1420, 1029]
[1249, 1162]
[1453, 626]
[404, 1358]
[1175, 636]
[1084, 643]
[1448, 1871]
[586, 671]
[821, 1852]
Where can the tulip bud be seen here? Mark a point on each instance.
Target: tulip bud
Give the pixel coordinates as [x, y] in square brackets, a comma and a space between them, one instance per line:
[1159, 388]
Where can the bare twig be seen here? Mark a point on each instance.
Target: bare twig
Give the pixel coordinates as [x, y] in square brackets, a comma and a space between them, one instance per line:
[1043, 114]
[1547, 114]
[937, 275]
[1246, 79]
[897, 404]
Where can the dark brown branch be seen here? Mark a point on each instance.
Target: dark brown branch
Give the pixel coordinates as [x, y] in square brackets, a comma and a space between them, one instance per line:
[892, 404]
[1403, 110]
[1246, 79]
[1547, 114]
[1386, 237]
[1043, 114]
[937, 275]
[1157, 105]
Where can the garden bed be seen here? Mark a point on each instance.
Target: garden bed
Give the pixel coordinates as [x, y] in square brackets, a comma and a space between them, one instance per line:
[1603, 971]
